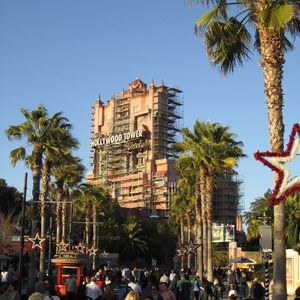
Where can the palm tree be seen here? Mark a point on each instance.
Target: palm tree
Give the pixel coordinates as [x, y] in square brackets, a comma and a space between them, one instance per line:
[228, 44]
[178, 215]
[215, 150]
[68, 172]
[185, 168]
[222, 152]
[133, 239]
[58, 142]
[34, 129]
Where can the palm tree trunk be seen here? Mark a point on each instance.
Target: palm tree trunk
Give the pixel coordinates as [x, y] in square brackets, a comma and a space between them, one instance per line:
[189, 234]
[198, 230]
[59, 196]
[37, 167]
[44, 197]
[202, 177]
[64, 214]
[182, 239]
[272, 61]
[87, 224]
[209, 196]
[94, 233]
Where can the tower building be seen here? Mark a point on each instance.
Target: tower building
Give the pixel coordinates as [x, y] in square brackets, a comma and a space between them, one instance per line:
[131, 144]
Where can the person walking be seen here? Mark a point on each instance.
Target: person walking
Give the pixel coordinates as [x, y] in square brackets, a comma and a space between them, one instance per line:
[257, 291]
[184, 288]
[71, 287]
[243, 286]
[93, 290]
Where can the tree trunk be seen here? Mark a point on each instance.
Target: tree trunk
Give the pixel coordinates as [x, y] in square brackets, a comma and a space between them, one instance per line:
[182, 239]
[59, 197]
[94, 233]
[87, 224]
[189, 235]
[272, 61]
[209, 196]
[37, 167]
[203, 218]
[44, 198]
[64, 213]
[199, 229]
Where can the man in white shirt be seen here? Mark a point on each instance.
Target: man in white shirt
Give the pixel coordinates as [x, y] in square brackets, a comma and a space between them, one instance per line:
[135, 287]
[93, 290]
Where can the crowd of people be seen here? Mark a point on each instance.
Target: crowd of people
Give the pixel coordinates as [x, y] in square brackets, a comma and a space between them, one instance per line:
[142, 284]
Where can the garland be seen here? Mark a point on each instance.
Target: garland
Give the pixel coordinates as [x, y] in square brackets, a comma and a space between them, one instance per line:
[283, 186]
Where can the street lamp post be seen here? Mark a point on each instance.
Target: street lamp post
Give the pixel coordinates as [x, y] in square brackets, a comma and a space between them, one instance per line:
[266, 250]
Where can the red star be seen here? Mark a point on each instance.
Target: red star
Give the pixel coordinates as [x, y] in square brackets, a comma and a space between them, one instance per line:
[81, 247]
[92, 251]
[37, 241]
[283, 187]
[62, 246]
[192, 248]
[181, 251]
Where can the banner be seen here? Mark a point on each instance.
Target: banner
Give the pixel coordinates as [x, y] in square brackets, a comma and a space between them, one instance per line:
[221, 234]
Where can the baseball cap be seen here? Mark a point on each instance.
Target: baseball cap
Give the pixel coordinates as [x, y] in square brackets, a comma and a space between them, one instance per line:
[232, 293]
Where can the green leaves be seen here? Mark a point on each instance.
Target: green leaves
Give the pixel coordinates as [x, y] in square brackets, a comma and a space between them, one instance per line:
[227, 44]
[276, 16]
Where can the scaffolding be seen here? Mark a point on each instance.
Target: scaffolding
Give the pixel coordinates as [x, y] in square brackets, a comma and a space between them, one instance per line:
[122, 172]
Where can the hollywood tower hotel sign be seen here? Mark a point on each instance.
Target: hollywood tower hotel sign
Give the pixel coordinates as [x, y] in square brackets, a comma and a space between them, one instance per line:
[131, 144]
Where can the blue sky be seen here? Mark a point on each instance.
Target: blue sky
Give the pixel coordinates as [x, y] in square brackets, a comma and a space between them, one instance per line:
[63, 54]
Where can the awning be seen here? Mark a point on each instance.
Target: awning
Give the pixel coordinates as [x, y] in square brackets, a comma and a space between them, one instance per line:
[160, 173]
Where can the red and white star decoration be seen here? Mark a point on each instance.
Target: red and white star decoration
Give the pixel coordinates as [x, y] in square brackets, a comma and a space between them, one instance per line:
[191, 248]
[284, 185]
[62, 246]
[37, 242]
[181, 251]
[81, 247]
[92, 251]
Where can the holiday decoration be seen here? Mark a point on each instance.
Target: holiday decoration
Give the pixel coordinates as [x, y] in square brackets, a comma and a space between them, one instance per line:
[181, 251]
[104, 254]
[92, 251]
[284, 186]
[191, 248]
[62, 246]
[37, 242]
[81, 247]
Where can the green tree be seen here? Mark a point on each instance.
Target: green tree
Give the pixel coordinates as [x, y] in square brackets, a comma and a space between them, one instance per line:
[133, 241]
[215, 150]
[34, 130]
[10, 198]
[228, 44]
[59, 140]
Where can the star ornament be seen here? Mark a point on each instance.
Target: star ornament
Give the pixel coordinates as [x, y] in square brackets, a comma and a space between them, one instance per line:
[284, 185]
[62, 246]
[92, 251]
[105, 254]
[81, 247]
[192, 248]
[181, 251]
[37, 242]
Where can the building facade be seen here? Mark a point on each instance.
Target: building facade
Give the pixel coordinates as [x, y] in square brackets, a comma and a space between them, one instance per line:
[131, 144]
